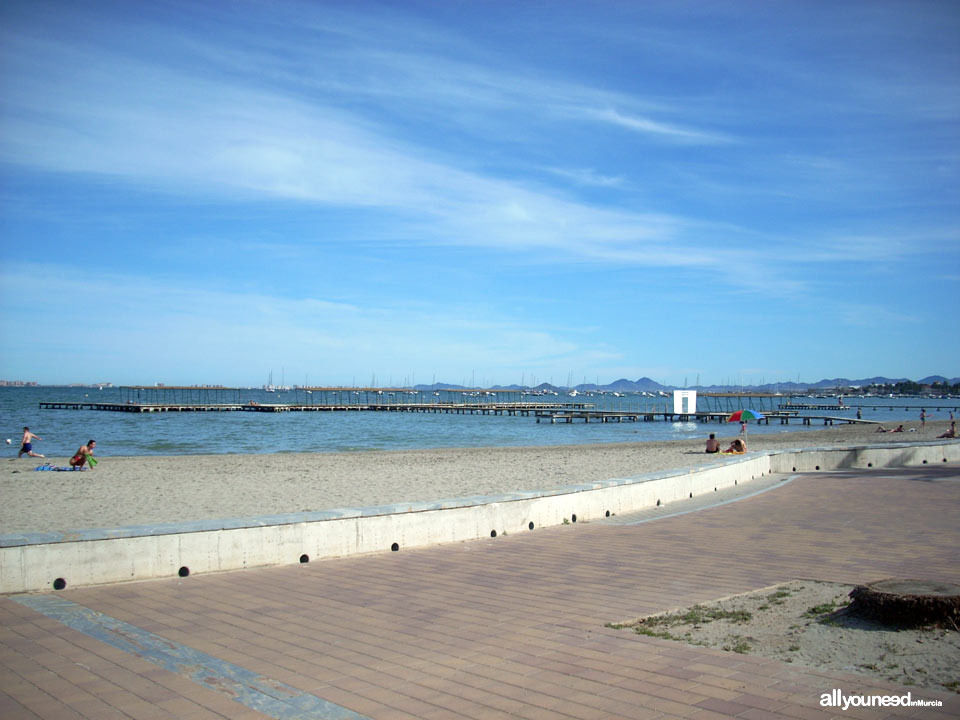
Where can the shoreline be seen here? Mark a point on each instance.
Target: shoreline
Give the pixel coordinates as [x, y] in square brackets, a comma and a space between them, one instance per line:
[124, 491]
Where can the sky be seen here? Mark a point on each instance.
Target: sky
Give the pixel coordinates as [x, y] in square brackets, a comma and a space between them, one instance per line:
[355, 193]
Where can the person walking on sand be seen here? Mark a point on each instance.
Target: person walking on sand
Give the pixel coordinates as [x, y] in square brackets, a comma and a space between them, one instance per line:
[83, 454]
[26, 445]
[923, 418]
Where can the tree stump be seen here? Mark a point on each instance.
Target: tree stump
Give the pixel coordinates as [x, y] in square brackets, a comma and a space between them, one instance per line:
[908, 602]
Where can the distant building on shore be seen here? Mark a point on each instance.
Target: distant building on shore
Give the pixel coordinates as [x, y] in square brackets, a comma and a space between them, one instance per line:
[17, 383]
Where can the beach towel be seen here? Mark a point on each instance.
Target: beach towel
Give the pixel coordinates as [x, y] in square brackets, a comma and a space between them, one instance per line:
[57, 468]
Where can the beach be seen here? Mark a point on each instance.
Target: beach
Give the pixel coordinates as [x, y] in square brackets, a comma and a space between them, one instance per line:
[124, 491]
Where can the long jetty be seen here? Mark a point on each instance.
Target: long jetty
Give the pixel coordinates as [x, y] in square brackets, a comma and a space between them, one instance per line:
[456, 408]
[178, 399]
[568, 415]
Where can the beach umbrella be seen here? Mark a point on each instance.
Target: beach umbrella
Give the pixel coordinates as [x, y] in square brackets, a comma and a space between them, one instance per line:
[745, 415]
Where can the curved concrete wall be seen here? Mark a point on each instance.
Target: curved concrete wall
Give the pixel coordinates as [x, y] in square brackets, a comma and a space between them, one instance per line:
[41, 561]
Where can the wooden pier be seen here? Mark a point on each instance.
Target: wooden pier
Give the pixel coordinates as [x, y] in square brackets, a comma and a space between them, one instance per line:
[552, 412]
[492, 408]
[715, 408]
[567, 415]
[809, 406]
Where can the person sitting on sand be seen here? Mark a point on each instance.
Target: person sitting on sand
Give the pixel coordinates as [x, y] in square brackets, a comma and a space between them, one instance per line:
[951, 433]
[737, 447]
[26, 445]
[82, 454]
[712, 445]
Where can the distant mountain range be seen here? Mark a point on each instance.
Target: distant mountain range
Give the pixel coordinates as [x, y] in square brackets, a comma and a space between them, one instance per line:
[645, 384]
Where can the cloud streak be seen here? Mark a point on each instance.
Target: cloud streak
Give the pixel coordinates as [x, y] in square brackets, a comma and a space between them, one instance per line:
[646, 126]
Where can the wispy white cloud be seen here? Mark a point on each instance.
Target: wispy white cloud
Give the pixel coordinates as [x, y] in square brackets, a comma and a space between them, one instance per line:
[646, 126]
[587, 177]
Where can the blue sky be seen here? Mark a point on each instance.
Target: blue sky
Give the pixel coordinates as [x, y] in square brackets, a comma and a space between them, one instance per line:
[478, 191]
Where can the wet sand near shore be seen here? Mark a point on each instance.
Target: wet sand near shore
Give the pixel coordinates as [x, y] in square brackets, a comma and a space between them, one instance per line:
[123, 491]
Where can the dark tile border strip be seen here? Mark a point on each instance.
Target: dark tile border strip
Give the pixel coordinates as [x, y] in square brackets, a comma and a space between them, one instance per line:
[257, 692]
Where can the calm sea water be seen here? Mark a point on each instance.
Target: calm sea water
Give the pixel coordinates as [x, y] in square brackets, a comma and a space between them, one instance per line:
[245, 432]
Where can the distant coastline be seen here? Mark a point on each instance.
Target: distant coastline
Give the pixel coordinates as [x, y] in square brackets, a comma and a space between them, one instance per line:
[930, 386]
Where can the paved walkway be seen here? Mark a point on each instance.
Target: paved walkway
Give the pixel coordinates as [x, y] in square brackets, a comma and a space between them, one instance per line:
[496, 628]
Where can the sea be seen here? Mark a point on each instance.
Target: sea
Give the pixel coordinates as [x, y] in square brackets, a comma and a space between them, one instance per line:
[185, 433]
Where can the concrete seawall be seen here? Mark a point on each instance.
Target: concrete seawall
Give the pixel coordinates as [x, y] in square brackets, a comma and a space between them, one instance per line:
[33, 562]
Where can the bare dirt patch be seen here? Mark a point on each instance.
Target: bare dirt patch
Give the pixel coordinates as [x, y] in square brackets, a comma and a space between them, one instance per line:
[808, 623]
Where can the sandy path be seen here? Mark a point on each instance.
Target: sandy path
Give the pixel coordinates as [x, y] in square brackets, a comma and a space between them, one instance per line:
[151, 489]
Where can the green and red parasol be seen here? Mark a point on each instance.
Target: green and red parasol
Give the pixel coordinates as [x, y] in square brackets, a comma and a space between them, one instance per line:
[745, 415]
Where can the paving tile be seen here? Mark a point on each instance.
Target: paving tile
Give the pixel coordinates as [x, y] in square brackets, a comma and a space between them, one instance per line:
[725, 707]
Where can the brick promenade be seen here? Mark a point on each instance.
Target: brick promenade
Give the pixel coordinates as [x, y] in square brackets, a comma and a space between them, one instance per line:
[505, 627]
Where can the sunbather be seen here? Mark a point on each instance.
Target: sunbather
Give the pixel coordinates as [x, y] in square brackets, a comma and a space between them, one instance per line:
[83, 454]
[737, 447]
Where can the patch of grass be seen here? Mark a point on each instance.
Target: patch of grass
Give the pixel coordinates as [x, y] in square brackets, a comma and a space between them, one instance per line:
[826, 613]
[739, 646]
[777, 597]
[698, 615]
[822, 609]
[764, 607]
[952, 685]
[650, 632]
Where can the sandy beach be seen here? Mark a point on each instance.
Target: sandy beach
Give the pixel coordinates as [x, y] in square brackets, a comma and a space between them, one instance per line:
[123, 491]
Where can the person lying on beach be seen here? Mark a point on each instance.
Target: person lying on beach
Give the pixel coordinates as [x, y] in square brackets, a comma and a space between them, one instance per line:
[951, 433]
[737, 447]
[712, 445]
[84, 453]
[26, 445]
[899, 429]
[881, 428]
